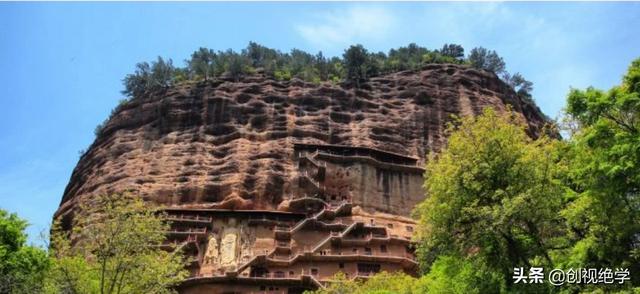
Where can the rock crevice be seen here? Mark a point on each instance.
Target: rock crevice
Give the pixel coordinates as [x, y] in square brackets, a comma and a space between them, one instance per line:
[230, 145]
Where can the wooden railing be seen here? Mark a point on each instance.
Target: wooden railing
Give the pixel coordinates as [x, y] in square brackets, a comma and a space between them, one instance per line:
[198, 231]
[188, 217]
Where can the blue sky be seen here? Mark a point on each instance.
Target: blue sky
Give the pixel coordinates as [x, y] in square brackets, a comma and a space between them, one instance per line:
[61, 64]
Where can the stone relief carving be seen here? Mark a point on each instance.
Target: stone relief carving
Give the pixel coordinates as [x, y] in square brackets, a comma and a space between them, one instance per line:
[229, 245]
[211, 255]
[248, 239]
[228, 252]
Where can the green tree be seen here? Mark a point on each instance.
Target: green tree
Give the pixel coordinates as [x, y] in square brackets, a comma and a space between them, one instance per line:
[260, 55]
[336, 69]
[114, 247]
[489, 60]
[22, 267]
[375, 64]
[300, 62]
[519, 84]
[453, 50]
[437, 57]
[322, 66]
[158, 75]
[384, 282]
[604, 215]
[136, 84]
[340, 284]
[454, 274]
[162, 74]
[180, 75]
[381, 283]
[404, 58]
[202, 63]
[493, 197]
[236, 65]
[355, 63]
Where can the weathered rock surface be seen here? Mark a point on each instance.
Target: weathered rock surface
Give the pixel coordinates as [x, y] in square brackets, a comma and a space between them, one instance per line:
[224, 144]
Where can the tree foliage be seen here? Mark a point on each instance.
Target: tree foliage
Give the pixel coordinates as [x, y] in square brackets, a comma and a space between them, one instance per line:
[203, 63]
[356, 65]
[235, 65]
[493, 197]
[149, 77]
[453, 50]
[114, 247]
[454, 274]
[604, 153]
[22, 267]
[381, 283]
[519, 84]
[489, 60]
[405, 58]
[498, 200]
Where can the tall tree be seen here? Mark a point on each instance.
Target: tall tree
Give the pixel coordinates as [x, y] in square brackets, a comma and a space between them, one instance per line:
[355, 62]
[22, 267]
[159, 75]
[137, 83]
[322, 66]
[375, 64]
[114, 247]
[256, 53]
[299, 60]
[236, 65]
[604, 215]
[519, 84]
[202, 63]
[486, 59]
[452, 50]
[162, 73]
[493, 197]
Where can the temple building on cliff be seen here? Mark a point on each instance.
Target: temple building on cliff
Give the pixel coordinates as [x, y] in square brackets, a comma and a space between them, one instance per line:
[349, 212]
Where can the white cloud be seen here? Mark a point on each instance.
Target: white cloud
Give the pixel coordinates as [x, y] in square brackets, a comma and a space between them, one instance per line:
[547, 50]
[340, 28]
[551, 50]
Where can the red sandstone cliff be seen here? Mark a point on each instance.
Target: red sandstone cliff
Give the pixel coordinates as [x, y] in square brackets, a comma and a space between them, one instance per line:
[223, 144]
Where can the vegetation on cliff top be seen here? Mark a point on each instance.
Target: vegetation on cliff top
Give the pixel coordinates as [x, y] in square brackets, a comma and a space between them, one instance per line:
[355, 67]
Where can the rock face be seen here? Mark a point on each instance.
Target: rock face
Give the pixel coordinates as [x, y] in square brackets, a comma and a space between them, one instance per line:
[228, 145]
[243, 166]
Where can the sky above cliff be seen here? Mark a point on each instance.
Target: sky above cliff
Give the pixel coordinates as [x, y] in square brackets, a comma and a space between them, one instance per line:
[61, 64]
